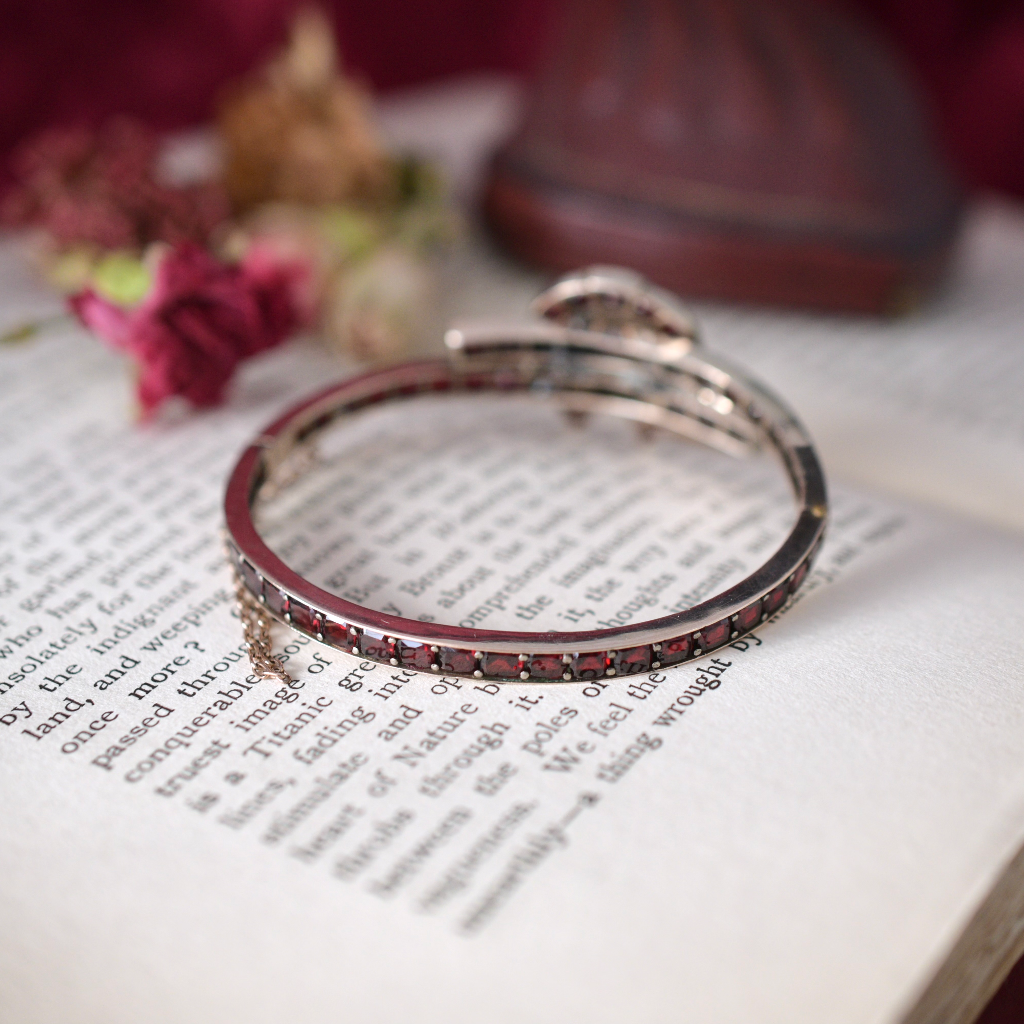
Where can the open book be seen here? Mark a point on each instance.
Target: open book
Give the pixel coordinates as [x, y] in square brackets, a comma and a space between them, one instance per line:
[824, 822]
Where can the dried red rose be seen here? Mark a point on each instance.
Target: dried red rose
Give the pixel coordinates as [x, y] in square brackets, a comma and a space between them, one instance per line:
[201, 318]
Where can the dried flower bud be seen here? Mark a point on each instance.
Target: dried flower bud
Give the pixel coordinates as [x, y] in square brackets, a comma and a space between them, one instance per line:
[300, 132]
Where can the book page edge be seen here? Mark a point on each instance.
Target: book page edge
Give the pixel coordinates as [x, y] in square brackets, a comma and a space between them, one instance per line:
[980, 958]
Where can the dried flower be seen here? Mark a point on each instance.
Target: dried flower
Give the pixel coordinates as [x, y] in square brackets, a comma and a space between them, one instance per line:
[300, 132]
[372, 278]
[333, 232]
[382, 307]
[200, 319]
[122, 278]
[97, 190]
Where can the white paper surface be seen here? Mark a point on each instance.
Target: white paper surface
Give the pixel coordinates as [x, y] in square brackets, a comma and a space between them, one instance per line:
[805, 843]
[800, 842]
[927, 406]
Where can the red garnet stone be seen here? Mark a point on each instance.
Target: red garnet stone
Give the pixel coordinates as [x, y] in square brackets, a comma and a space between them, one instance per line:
[416, 656]
[376, 646]
[674, 651]
[302, 616]
[503, 666]
[589, 666]
[336, 633]
[716, 634]
[775, 599]
[251, 577]
[453, 660]
[798, 577]
[749, 617]
[546, 666]
[633, 660]
[276, 601]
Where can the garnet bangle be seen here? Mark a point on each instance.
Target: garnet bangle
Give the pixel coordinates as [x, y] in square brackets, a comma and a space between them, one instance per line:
[611, 345]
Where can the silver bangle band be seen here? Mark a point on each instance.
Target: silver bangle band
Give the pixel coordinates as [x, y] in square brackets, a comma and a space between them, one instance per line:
[611, 344]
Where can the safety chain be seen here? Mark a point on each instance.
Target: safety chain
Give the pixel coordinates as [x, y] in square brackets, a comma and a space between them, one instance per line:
[256, 631]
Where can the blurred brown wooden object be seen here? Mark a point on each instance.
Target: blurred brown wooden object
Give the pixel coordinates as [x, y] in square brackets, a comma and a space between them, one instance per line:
[756, 151]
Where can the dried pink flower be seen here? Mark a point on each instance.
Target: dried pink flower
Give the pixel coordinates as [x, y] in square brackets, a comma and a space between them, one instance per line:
[201, 318]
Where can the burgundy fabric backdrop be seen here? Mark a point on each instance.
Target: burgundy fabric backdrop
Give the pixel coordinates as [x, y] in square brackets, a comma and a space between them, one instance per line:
[65, 61]
[165, 60]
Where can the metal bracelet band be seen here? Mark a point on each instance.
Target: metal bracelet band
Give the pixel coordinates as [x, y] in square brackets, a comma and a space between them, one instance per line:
[611, 345]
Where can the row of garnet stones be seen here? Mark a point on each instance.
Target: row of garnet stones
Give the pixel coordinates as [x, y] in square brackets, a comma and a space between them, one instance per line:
[481, 664]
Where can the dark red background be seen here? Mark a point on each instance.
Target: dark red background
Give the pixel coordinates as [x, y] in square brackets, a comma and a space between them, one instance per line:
[165, 60]
[64, 61]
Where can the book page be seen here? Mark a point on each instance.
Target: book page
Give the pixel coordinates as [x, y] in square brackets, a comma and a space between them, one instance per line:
[925, 405]
[796, 828]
